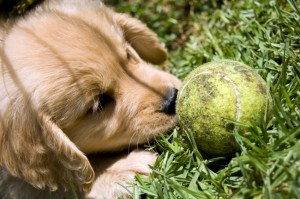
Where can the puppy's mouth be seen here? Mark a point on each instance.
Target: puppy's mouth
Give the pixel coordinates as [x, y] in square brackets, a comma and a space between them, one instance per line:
[150, 131]
[153, 135]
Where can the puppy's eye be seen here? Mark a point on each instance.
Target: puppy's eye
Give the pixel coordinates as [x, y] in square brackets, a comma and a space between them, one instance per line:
[104, 99]
[100, 103]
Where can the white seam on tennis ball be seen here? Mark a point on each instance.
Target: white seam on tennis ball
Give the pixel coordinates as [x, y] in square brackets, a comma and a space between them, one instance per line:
[234, 87]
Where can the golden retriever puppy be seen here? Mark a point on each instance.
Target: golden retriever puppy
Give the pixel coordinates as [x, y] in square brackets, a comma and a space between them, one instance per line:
[76, 79]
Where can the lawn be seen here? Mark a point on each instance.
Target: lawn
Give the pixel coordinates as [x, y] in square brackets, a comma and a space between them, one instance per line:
[265, 34]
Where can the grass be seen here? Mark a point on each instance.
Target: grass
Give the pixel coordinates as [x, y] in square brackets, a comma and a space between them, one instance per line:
[264, 34]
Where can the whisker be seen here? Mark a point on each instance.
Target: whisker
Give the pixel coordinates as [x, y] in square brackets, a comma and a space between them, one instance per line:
[131, 139]
[138, 142]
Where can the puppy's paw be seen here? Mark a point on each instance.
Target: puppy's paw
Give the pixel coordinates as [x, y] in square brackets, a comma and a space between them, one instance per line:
[112, 181]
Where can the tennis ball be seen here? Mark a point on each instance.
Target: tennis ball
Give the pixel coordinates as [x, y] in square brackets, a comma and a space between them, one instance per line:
[217, 91]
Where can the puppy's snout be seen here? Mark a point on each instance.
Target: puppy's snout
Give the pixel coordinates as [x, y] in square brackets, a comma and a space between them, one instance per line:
[168, 105]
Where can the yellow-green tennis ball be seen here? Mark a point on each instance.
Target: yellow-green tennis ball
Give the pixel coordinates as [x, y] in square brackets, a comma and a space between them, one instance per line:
[217, 91]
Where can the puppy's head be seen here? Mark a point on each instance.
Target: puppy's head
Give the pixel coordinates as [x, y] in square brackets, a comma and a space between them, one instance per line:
[76, 82]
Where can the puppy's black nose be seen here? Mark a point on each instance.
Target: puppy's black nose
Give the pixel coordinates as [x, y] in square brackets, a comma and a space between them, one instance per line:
[168, 105]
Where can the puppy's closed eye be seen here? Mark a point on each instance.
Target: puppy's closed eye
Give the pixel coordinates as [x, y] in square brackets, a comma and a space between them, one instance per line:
[100, 103]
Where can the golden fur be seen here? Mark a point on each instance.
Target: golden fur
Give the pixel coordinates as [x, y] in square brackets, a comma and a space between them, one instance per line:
[76, 79]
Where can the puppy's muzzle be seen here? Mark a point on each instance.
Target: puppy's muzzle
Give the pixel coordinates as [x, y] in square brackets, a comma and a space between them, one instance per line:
[168, 105]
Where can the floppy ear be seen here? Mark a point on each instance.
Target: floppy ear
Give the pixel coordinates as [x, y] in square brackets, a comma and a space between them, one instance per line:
[142, 39]
[35, 149]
